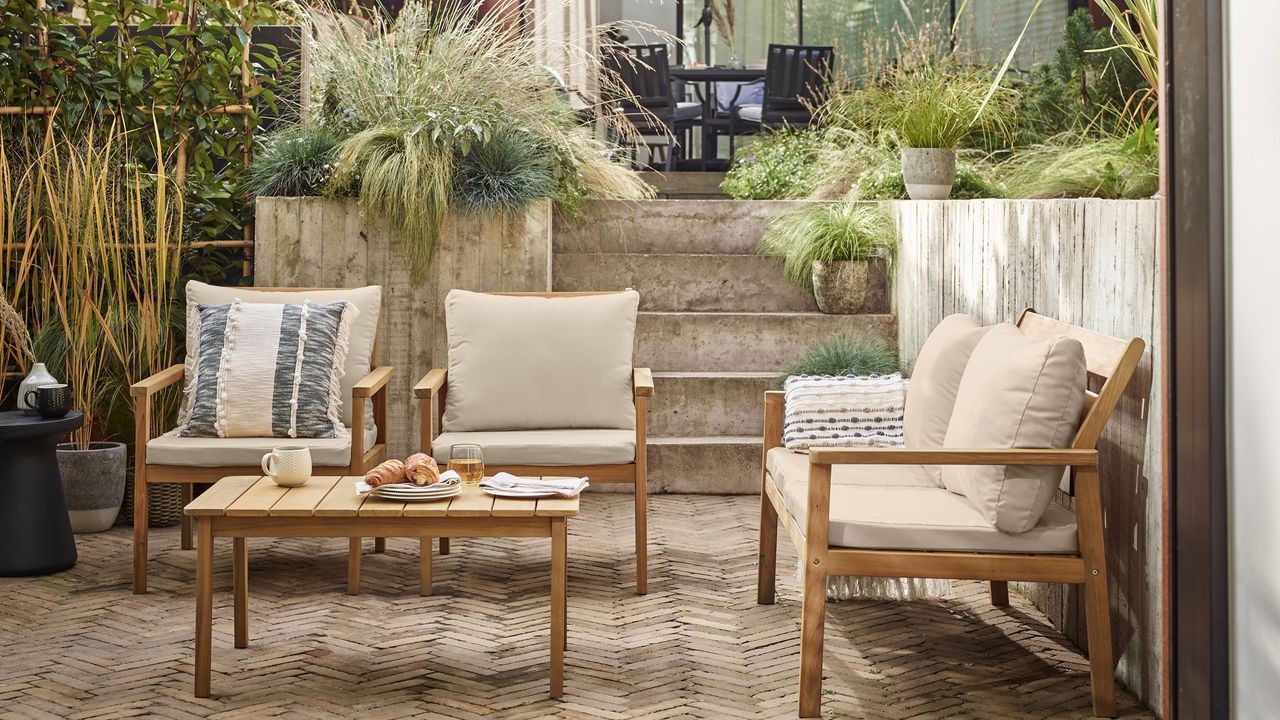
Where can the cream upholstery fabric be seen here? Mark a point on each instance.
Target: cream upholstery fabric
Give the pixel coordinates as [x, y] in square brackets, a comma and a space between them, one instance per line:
[169, 449]
[789, 467]
[878, 517]
[1016, 393]
[535, 363]
[364, 326]
[544, 447]
[935, 380]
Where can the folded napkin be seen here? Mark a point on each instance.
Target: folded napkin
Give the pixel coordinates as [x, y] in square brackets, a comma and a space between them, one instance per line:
[506, 482]
[447, 478]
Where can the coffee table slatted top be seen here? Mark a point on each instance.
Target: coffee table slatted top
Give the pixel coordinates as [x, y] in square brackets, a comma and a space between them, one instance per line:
[335, 496]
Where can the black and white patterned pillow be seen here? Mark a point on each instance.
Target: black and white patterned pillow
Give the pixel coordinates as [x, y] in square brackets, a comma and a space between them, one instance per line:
[269, 370]
[843, 411]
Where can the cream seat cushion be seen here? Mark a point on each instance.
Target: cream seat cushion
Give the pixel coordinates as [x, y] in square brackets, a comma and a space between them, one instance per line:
[544, 447]
[788, 467]
[535, 363]
[883, 517]
[364, 327]
[935, 380]
[1016, 393]
[170, 449]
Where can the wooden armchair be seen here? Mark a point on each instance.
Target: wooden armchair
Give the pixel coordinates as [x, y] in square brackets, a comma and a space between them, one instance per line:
[188, 461]
[1065, 547]
[529, 452]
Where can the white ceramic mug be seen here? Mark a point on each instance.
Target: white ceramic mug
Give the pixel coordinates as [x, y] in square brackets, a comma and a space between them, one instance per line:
[288, 466]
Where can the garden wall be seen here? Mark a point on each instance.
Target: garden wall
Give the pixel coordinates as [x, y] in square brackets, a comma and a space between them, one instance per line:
[315, 242]
[1091, 263]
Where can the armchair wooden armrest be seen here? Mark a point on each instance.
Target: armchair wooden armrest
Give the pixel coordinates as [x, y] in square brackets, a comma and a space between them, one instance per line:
[154, 384]
[370, 384]
[431, 383]
[642, 382]
[949, 456]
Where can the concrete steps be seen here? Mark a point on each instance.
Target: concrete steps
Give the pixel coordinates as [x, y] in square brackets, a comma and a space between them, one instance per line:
[717, 325]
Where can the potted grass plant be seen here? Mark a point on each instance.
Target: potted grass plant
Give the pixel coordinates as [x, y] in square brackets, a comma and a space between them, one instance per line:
[830, 248]
[932, 108]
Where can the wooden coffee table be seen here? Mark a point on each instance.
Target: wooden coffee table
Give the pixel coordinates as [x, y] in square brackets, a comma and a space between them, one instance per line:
[241, 507]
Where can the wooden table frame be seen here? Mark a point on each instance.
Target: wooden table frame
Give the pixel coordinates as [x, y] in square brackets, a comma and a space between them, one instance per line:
[247, 506]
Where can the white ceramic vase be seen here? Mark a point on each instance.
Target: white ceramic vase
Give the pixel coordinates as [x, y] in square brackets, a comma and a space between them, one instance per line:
[38, 376]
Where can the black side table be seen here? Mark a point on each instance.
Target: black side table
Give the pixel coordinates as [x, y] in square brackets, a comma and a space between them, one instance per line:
[35, 531]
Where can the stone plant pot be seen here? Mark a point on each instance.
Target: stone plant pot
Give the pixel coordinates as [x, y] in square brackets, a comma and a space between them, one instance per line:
[840, 287]
[928, 173]
[93, 483]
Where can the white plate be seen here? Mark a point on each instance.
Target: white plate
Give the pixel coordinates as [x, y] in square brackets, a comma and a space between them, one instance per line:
[421, 498]
[417, 493]
[519, 495]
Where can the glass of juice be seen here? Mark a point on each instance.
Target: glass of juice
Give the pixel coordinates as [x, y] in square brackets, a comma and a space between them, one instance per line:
[467, 460]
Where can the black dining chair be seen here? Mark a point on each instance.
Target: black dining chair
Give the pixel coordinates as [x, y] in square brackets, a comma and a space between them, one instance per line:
[795, 81]
[651, 103]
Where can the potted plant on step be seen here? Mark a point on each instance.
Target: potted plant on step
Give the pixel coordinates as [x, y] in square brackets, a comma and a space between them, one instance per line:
[932, 108]
[830, 247]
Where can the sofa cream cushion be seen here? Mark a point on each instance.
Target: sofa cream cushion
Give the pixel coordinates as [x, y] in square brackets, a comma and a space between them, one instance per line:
[881, 517]
[364, 327]
[1016, 393]
[536, 363]
[935, 380]
[170, 449]
[544, 447]
[788, 467]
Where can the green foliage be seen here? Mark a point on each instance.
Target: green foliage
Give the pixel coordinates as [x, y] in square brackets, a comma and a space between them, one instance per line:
[296, 161]
[506, 172]
[846, 355]
[828, 232]
[777, 166]
[1073, 166]
[936, 105]
[889, 185]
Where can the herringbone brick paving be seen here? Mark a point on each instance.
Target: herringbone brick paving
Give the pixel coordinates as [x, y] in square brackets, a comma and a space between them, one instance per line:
[79, 645]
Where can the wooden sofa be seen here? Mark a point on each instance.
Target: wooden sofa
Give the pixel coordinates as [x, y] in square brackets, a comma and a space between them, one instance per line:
[191, 461]
[1077, 559]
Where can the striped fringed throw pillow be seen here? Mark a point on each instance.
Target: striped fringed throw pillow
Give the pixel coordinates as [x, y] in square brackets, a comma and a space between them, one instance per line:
[269, 370]
[843, 411]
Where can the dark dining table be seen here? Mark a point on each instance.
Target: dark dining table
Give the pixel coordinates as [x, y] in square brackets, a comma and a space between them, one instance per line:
[708, 77]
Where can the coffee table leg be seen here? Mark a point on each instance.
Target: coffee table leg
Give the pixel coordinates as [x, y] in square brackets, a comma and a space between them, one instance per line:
[559, 615]
[240, 585]
[424, 566]
[353, 566]
[204, 606]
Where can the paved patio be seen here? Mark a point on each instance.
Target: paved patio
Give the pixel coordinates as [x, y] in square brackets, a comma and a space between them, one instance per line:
[79, 645]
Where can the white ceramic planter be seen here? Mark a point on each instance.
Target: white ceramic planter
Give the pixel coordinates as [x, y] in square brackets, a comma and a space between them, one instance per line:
[93, 484]
[928, 173]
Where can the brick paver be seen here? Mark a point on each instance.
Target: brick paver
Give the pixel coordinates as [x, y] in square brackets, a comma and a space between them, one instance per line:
[80, 645]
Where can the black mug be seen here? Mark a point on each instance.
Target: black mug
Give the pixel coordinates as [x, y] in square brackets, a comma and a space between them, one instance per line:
[51, 401]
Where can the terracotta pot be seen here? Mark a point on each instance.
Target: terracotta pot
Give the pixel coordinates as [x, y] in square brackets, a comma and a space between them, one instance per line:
[928, 173]
[840, 287]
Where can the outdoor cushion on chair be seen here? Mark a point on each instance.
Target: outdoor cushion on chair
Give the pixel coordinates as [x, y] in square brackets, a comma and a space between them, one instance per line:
[1016, 393]
[169, 449]
[935, 380]
[687, 111]
[788, 467]
[544, 447]
[751, 113]
[925, 518]
[534, 363]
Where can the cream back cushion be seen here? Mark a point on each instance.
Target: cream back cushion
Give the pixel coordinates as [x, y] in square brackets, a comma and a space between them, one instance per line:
[935, 381]
[536, 363]
[1016, 393]
[364, 328]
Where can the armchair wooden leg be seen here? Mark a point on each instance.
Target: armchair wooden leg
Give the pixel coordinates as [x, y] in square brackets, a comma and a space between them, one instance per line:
[444, 546]
[1101, 663]
[140, 520]
[999, 593]
[767, 573]
[812, 626]
[642, 534]
[380, 545]
[188, 491]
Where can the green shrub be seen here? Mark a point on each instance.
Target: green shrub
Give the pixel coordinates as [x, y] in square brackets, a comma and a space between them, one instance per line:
[828, 232]
[889, 185]
[506, 172]
[936, 104]
[295, 162]
[846, 355]
[1072, 166]
[778, 166]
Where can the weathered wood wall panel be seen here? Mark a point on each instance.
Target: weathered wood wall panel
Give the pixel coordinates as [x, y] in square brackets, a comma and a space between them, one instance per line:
[1088, 262]
[315, 242]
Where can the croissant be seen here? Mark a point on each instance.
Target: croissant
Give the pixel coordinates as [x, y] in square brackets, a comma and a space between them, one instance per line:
[386, 473]
[421, 469]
